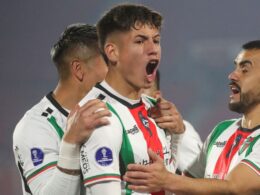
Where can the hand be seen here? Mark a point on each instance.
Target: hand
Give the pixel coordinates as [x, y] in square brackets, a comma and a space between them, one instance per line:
[147, 178]
[167, 116]
[83, 120]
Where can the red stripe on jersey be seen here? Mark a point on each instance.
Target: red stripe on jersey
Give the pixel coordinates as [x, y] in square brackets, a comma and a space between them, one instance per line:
[231, 148]
[102, 177]
[43, 169]
[149, 131]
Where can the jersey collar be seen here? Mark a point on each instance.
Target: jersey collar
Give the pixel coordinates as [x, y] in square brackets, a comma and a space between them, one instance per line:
[56, 104]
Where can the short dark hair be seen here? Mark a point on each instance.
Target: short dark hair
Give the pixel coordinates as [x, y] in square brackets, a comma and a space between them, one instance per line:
[124, 17]
[252, 45]
[74, 37]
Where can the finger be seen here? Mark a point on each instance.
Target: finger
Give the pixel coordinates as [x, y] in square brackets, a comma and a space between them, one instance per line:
[90, 103]
[93, 104]
[91, 109]
[101, 122]
[166, 119]
[137, 167]
[153, 156]
[166, 106]
[168, 125]
[158, 96]
[138, 188]
[136, 177]
[101, 114]
[74, 110]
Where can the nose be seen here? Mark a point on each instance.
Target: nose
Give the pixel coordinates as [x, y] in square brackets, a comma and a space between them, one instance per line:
[153, 48]
[233, 76]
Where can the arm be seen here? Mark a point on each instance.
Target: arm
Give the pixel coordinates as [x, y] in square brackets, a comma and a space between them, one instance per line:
[108, 188]
[155, 177]
[99, 158]
[45, 177]
[189, 147]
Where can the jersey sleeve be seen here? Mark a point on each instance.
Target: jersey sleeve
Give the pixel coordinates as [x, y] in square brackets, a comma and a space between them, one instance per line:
[99, 156]
[36, 150]
[197, 168]
[189, 148]
[252, 156]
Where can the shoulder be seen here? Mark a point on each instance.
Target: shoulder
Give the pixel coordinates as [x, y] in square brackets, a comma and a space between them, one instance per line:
[34, 123]
[221, 127]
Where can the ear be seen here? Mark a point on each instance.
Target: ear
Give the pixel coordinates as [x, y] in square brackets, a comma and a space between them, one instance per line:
[111, 51]
[77, 69]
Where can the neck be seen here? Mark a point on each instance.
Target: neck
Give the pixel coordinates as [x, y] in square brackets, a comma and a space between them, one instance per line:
[251, 118]
[68, 94]
[122, 86]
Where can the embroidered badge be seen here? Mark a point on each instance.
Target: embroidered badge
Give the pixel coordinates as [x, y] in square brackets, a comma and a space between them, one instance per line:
[37, 156]
[104, 156]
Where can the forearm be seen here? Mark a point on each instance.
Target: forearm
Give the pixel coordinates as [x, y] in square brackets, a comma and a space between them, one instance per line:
[108, 188]
[65, 178]
[185, 185]
[55, 182]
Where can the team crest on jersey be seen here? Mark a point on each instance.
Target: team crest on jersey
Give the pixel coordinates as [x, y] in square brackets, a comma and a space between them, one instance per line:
[37, 156]
[145, 122]
[104, 156]
[246, 144]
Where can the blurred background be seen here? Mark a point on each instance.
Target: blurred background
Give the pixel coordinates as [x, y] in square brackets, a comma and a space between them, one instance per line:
[200, 40]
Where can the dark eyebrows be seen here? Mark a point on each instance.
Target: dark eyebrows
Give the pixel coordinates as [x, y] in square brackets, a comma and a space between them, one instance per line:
[244, 62]
[146, 37]
[142, 36]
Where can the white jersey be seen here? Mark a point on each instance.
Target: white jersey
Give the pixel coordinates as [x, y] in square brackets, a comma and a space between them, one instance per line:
[228, 145]
[36, 143]
[189, 147]
[105, 156]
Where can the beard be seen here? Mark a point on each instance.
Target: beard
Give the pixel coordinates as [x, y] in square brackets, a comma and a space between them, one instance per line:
[247, 102]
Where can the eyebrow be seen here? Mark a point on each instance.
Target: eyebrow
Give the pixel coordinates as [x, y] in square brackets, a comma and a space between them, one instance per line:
[146, 37]
[244, 62]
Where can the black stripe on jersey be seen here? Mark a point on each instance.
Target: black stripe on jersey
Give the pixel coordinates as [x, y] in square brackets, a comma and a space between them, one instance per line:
[56, 104]
[26, 187]
[249, 130]
[117, 98]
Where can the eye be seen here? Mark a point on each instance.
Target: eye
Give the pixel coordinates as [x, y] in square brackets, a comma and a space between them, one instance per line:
[157, 41]
[139, 41]
[244, 69]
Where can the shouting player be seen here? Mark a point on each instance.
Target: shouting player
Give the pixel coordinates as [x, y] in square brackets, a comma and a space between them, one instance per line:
[129, 38]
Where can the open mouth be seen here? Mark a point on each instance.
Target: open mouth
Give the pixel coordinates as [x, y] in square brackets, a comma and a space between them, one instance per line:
[235, 89]
[151, 66]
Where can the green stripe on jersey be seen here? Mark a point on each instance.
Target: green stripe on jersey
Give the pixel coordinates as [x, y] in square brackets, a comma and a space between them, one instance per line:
[217, 131]
[152, 100]
[252, 164]
[126, 151]
[54, 123]
[51, 164]
[250, 148]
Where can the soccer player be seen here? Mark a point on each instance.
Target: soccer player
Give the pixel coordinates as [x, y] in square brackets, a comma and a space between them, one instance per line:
[129, 38]
[230, 158]
[191, 144]
[46, 149]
